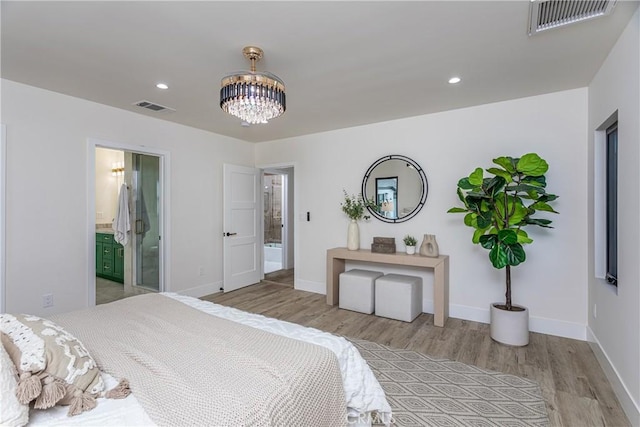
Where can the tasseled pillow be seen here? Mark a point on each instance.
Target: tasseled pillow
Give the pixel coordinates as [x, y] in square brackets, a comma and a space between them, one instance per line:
[54, 367]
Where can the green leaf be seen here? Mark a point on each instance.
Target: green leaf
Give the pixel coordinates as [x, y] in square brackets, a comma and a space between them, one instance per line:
[542, 206]
[484, 219]
[472, 203]
[470, 220]
[478, 195]
[523, 237]
[538, 181]
[456, 210]
[547, 198]
[488, 241]
[539, 221]
[465, 184]
[498, 256]
[507, 163]
[479, 232]
[508, 237]
[502, 255]
[524, 187]
[461, 196]
[533, 195]
[515, 254]
[500, 172]
[532, 164]
[516, 213]
[494, 185]
[476, 177]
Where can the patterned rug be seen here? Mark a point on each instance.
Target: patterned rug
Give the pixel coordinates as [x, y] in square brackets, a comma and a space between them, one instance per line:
[424, 391]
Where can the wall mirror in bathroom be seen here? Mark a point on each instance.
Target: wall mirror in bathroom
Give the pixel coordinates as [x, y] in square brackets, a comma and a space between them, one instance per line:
[398, 187]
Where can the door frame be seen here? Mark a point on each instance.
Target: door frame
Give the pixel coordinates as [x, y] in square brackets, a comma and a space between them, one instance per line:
[285, 214]
[271, 167]
[164, 252]
[3, 183]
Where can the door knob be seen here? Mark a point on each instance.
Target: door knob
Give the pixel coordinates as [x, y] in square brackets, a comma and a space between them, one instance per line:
[229, 234]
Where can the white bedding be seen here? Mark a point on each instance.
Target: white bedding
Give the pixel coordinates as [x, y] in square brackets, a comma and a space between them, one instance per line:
[362, 390]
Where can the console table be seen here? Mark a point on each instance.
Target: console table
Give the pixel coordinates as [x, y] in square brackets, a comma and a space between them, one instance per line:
[336, 258]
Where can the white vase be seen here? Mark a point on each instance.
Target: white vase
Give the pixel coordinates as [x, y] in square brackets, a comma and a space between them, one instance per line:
[510, 327]
[353, 236]
[411, 250]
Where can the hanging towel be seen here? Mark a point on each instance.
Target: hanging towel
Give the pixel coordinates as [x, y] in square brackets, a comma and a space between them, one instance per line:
[121, 223]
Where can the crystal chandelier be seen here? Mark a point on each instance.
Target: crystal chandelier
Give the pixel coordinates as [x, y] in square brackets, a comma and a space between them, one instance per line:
[254, 97]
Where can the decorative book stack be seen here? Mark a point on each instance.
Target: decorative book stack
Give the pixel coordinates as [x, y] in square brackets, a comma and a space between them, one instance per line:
[384, 245]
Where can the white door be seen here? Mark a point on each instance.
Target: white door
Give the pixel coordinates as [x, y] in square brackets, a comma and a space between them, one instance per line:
[242, 231]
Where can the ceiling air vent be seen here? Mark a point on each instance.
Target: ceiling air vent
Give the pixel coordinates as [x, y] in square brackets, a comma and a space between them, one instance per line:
[151, 106]
[547, 14]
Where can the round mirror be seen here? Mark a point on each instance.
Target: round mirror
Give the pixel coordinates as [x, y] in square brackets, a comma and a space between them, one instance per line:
[397, 186]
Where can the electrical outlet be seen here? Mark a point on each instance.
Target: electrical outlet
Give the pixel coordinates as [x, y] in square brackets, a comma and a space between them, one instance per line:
[595, 311]
[47, 300]
[201, 271]
[99, 215]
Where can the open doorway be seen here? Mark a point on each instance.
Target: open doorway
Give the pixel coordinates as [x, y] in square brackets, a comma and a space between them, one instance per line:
[128, 219]
[278, 225]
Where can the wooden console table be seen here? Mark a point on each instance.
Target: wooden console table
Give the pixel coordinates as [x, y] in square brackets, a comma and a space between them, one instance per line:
[336, 258]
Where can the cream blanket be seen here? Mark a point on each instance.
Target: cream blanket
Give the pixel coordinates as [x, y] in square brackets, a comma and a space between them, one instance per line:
[189, 368]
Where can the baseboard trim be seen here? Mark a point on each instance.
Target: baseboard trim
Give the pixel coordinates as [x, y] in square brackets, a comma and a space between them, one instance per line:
[310, 286]
[201, 290]
[558, 328]
[542, 325]
[629, 406]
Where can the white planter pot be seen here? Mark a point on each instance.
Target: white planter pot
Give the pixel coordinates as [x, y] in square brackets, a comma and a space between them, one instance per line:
[411, 250]
[510, 327]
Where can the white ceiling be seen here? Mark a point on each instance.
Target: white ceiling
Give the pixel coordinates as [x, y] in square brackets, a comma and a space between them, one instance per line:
[344, 63]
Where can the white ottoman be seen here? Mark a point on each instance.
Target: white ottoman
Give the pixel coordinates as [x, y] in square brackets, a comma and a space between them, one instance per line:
[356, 290]
[398, 297]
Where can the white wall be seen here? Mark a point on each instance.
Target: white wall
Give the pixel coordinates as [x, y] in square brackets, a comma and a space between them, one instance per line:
[449, 145]
[46, 215]
[615, 330]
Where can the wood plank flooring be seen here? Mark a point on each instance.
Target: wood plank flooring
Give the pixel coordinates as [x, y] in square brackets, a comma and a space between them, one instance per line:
[574, 387]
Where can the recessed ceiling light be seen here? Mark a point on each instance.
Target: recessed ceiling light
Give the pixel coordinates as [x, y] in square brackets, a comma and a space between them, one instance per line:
[454, 80]
[162, 86]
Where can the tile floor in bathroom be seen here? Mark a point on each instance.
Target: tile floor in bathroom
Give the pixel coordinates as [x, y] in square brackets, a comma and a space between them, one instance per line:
[108, 291]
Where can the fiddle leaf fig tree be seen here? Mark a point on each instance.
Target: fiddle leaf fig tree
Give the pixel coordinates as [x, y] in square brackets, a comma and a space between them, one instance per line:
[501, 206]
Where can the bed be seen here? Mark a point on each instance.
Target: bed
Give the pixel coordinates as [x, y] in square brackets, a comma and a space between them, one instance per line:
[189, 361]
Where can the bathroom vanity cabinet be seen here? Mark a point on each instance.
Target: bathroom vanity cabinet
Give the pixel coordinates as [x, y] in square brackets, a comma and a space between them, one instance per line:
[109, 258]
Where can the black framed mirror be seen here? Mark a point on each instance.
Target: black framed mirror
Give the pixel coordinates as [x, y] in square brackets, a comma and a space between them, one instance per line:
[397, 186]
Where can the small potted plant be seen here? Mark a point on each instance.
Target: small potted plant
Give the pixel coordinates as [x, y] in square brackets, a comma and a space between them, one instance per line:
[355, 208]
[498, 208]
[410, 242]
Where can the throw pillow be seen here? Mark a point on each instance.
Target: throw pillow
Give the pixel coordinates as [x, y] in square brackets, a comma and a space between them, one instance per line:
[12, 412]
[54, 367]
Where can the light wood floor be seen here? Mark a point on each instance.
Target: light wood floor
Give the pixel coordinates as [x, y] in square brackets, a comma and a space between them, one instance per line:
[574, 387]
